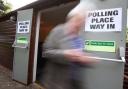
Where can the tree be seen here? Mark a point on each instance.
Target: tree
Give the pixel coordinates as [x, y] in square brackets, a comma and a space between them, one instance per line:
[5, 7]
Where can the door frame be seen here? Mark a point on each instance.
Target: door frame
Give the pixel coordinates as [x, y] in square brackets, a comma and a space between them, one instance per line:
[37, 33]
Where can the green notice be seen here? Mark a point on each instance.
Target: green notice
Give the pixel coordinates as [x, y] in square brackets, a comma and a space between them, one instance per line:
[22, 40]
[104, 46]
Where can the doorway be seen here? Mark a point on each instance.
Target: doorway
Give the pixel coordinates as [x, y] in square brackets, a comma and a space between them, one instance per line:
[49, 18]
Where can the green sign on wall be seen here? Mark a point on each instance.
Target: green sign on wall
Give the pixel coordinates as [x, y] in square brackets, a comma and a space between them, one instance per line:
[104, 46]
[22, 40]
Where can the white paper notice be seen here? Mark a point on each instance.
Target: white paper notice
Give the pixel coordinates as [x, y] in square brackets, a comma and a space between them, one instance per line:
[23, 27]
[105, 20]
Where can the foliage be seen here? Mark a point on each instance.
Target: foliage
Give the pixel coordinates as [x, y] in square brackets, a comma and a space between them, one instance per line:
[5, 7]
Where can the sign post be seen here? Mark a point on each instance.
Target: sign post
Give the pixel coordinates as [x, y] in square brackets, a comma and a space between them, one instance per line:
[21, 46]
[105, 38]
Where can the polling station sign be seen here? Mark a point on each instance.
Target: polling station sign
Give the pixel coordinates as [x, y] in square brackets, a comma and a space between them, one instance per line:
[23, 27]
[105, 20]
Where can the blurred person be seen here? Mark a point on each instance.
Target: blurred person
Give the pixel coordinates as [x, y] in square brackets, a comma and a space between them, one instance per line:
[63, 48]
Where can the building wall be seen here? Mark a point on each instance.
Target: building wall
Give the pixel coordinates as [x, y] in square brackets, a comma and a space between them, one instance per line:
[7, 36]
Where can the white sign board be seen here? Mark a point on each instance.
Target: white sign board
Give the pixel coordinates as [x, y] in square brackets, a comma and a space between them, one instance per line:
[104, 20]
[23, 27]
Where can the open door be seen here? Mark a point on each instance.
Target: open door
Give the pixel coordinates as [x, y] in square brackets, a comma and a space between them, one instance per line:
[49, 19]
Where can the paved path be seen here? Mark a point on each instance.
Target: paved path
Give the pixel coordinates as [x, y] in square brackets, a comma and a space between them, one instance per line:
[7, 83]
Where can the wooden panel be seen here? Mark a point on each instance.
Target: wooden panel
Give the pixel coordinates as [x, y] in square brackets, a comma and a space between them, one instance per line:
[7, 36]
[45, 28]
[126, 69]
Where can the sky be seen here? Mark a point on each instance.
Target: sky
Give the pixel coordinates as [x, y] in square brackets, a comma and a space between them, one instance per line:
[19, 3]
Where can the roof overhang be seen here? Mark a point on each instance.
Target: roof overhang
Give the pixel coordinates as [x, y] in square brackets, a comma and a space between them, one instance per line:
[38, 5]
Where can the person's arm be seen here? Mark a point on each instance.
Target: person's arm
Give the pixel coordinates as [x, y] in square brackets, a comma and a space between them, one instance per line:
[53, 53]
[66, 56]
